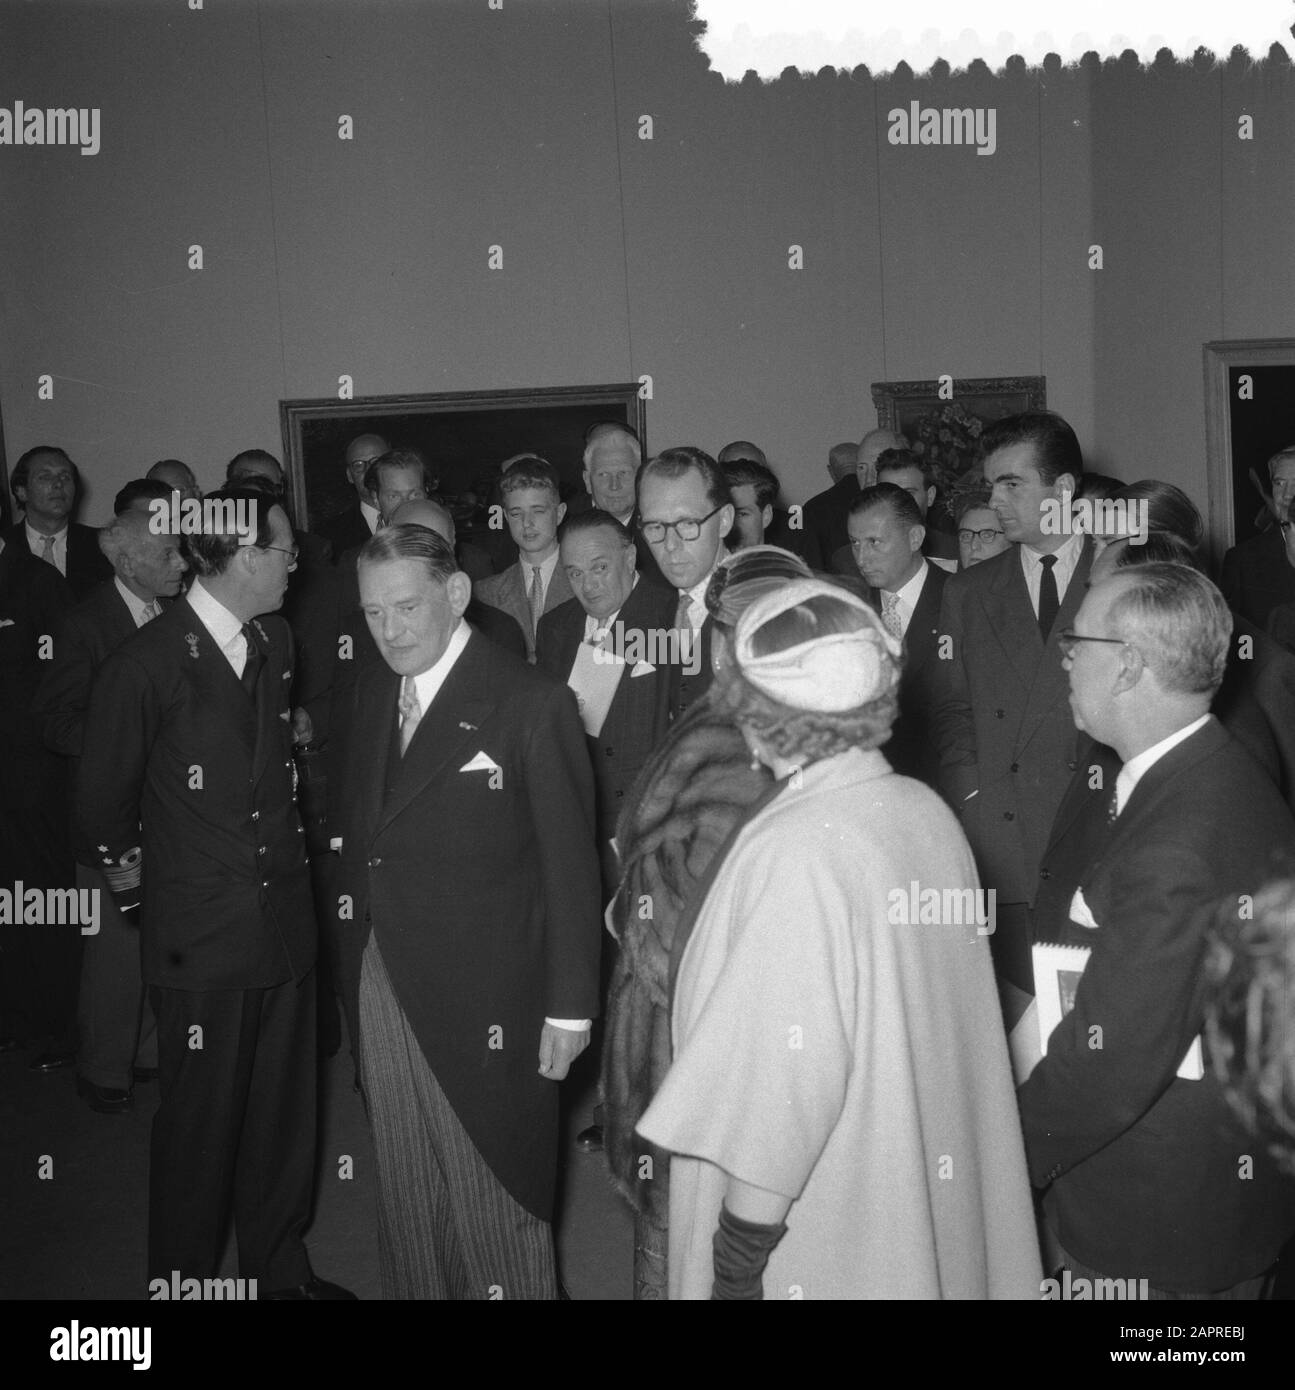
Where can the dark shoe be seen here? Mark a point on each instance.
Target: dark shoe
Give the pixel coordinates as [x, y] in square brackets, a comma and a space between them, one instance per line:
[590, 1141]
[316, 1289]
[145, 1073]
[52, 1061]
[104, 1099]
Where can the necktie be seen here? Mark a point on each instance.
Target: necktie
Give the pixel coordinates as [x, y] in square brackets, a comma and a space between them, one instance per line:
[890, 615]
[255, 660]
[47, 550]
[1049, 603]
[537, 599]
[410, 713]
[684, 625]
[1113, 810]
[148, 613]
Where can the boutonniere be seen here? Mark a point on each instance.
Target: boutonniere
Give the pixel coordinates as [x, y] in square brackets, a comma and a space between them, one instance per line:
[192, 639]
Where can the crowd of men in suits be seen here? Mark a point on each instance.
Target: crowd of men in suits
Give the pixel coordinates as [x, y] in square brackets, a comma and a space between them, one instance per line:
[383, 763]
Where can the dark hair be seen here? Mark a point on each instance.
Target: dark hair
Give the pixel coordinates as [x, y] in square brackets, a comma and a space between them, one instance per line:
[398, 458]
[677, 463]
[969, 501]
[529, 471]
[743, 576]
[211, 551]
[1160, 547]
[410, 542]
[595, 519]
[139, 489]
[896, 459]
[749, 472]
[250, 456]
[1056, 450]
[902, 504]
[1097, 485]
[21, 469]
[1168, 509]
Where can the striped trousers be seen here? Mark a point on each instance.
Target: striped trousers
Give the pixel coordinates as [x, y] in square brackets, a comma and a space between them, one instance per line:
[447, 1227]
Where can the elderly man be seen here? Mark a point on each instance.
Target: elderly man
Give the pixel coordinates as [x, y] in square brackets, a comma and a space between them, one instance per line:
[178, 477]
[471, 936]
[685, 511]
[1147, 1174]
[356, 522]
[116, 1044]
[1007, 746]
[536, 583]
[45, 483]
[190, 806]
[1259, 574]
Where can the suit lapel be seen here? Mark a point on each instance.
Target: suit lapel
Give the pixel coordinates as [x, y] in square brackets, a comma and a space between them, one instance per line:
[1049, 677]
[270, 702]
[449, 730]
[208, 670]
[1011, 615]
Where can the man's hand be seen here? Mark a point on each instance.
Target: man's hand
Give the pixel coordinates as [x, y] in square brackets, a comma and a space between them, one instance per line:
[559, 1047]
[303, 730]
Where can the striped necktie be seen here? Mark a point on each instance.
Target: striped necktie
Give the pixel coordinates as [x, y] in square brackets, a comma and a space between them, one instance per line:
[410, 713]
[536, 599]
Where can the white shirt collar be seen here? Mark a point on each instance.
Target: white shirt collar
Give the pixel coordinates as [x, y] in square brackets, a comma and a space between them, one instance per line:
[428, 683]
[547, 568]
[912, 591]
[697, 598]
[138, 606]
[1140, 764]
[371, 516]
[1067, 553]
[215, 617]
[36, 539]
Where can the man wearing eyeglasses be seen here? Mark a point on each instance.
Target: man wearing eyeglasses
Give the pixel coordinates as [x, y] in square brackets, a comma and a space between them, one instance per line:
[1259, 574]
[1148, 1175]
[685, 511]
[186, 793]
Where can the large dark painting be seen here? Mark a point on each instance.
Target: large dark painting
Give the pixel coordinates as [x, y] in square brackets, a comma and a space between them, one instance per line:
[464, 435]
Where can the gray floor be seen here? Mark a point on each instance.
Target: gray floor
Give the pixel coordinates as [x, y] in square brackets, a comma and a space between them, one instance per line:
[73, 1195]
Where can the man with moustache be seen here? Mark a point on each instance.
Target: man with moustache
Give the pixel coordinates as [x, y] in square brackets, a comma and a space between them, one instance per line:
[537, 582]
[116, 1037]
[45, 483]
[470, 943]
[1147, 1174]
[1007, 747]
[186, 794]
[685, 511]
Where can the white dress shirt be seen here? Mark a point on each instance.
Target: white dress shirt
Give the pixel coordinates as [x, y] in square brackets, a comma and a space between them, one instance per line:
[595, 675]
[1067, 553]
[372, 516]
[1137, 767]
[907, 597]
[226, 630]
[36, 542]
[547, 570]
[142, 610]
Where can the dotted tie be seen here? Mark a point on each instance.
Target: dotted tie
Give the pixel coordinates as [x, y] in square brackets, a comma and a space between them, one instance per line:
[410, 713]
[890, 615]
[537, 599]
[684, 625]
[1049, 603]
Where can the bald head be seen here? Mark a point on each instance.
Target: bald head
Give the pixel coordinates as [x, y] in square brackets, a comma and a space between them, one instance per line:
[871, 447]
[741, 449]
[422, 511]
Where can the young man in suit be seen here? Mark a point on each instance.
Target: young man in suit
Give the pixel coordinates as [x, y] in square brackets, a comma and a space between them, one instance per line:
[116, 1034]
[1147, 1173]
[622, 703]
[536, 583]
[1007, 746]
[1259, 574]
[886, 533]
[45, 483]
[470, 943]
[187, 750]
[685, 511]
[354, 525]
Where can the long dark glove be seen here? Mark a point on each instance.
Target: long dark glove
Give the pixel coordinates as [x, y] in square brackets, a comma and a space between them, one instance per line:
[742, 1249]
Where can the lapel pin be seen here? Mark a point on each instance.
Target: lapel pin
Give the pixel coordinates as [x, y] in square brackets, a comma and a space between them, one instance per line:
[463, 724]
[192, 639]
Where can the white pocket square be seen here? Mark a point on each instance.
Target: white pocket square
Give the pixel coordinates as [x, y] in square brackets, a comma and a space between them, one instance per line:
[8, 622]
[1079, 912]
[642, 668]
[483, 762]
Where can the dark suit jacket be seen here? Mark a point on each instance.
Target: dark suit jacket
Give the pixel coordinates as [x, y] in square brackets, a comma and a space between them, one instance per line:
[508, 591]
[912, 749]
[823, 522]
[86, 565]
[1141, 1166]
[482, 890]
[226, 890]
[636, 719]
[1257, 576]
[344, 531]
[1002, 718]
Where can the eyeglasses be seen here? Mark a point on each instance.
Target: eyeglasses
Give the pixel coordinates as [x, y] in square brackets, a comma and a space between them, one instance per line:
[688, 529]
[283, 550]
[1070, 639]
[985, 537]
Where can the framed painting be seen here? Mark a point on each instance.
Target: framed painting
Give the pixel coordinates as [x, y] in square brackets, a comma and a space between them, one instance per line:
[1249, 416]
[464, 435]
[944, 427]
